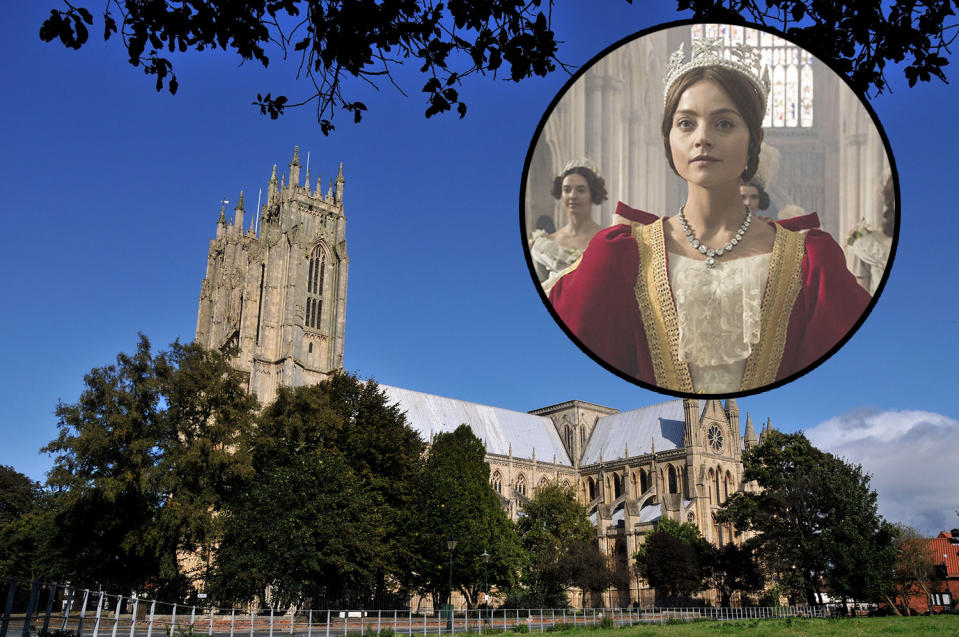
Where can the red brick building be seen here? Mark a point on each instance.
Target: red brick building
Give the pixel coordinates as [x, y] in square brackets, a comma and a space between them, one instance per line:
[944, 583]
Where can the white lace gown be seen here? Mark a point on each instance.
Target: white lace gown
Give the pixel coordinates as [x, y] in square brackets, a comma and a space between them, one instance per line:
[550, 258]
[719, 316]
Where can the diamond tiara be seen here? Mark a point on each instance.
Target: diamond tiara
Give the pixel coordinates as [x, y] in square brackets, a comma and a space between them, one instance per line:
[709, 52]
[582, 162]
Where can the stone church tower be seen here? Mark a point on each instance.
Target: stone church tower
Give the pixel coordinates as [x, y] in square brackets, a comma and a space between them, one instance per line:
[277, 291]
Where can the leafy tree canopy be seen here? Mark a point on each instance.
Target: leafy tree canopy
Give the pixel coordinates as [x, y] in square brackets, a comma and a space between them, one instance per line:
[18, 494]
[815, 520]
[736, 569]
[914, 568]
[326, 513]
[24, 526]
[141, 463]
[332, 41]
[674, 559]
[561, 541]
[457, 502]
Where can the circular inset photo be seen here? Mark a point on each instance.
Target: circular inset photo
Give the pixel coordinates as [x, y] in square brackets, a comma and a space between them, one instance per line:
[709, 209]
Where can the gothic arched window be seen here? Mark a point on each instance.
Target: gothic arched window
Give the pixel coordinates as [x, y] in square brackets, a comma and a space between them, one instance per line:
[673, 487]
[643, 481]
[717, 486]
[497, 482]
[521, 485]
[315, 280]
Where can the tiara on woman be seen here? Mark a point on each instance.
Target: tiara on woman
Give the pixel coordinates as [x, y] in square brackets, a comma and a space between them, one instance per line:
[582, 162]
[709, 52]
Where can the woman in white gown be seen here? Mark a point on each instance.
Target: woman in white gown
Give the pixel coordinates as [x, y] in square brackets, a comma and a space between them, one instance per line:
[577, 188]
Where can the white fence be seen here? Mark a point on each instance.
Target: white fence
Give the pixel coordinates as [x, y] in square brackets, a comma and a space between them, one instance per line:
[36, 608]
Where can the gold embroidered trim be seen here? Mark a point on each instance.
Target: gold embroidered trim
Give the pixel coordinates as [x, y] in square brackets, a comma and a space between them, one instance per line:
[655, 300]
[782, 288]
[570, 268]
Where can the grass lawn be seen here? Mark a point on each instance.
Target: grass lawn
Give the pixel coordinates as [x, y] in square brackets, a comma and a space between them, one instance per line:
[919, 626]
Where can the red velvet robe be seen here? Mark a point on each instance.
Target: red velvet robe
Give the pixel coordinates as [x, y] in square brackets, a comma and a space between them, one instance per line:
[618, 303]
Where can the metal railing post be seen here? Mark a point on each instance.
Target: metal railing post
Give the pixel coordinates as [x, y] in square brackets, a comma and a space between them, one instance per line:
[8, 607]
[46, 615]
[153, 607]
[96, 624]
[116, 615]
[34, 591]
[309, 624]
[66, 610]
[133, 618]
[232, 620]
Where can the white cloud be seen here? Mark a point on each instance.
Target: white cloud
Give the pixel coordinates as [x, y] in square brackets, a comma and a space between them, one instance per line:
[911, 456]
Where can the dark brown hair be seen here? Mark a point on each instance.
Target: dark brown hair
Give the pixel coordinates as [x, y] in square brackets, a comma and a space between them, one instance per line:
[763, 195]
[748, 102]
[597, 185]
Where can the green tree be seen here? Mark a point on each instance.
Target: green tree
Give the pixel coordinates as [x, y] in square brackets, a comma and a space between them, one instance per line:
[555, 529]
[736, 569]
[915, 567]
[305, 526]
[674, 559]
[24, 527]
[815, 520]
[207, 414]
[331, 41]
[326, 514]
[130, 476]
[457, 501]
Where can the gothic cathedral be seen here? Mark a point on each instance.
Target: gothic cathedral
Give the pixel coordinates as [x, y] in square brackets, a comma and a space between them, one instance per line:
[276, 295]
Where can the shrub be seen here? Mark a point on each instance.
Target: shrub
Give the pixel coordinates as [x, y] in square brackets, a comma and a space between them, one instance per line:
[555, 628]
[521, 628]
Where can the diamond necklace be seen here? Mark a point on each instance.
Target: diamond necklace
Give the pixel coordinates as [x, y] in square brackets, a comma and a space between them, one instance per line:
[712, 253]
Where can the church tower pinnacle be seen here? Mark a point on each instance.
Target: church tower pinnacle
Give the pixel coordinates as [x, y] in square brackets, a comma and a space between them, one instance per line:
[279, 295]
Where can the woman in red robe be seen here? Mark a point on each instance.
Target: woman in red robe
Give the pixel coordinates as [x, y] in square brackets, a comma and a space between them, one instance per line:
[709, 301]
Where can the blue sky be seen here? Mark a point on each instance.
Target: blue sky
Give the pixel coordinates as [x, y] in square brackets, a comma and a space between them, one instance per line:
[111, 194]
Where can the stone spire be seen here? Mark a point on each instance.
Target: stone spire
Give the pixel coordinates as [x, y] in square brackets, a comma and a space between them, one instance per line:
[339, 185]
[221, 223]
[691, 411]
[750, 436]
[272, 192]
[238, 215]
[732, 412]
[329, 191]
[295, 168]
